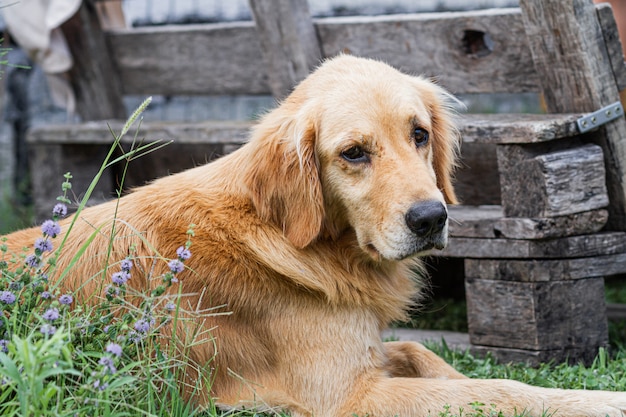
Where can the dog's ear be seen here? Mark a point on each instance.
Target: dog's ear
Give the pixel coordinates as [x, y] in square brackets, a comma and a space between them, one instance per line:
[446, 142]
[284, 179]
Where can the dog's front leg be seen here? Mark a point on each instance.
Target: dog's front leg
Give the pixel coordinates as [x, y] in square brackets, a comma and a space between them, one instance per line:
[412, 397]
[413, 360]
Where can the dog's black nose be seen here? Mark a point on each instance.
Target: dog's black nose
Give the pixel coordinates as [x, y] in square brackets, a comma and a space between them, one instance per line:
[426, 218]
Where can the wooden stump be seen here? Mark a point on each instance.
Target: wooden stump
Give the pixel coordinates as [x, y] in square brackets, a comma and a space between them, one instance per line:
[562, 318]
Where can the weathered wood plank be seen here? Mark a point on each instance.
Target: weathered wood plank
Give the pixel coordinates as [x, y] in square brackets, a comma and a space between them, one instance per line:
[539, 181]
[97, 132]
[475, 128]
[288, 42]
[613, 43]
[489, 222]
[575, 73]
[224, 58]
[537, 315]
[447, 46]
[219, 58]
[93, 74]
[566, 247]
[537, 270]
[517, 128]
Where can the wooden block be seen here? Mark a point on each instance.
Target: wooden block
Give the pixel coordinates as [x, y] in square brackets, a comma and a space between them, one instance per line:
[537, 270]
[605, 243]
[537, 315]
[489, 222]
[540, 181]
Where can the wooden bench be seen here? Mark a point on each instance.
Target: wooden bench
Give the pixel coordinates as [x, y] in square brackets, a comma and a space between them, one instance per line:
[544, 215]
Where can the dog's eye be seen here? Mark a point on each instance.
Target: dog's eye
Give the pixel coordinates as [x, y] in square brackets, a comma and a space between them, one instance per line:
[354, 154]
[420, 136]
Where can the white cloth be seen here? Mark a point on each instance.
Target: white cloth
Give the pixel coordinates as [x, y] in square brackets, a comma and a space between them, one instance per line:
[35, 27]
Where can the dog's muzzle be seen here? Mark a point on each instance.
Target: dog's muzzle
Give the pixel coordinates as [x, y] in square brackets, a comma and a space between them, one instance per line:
[427, 220]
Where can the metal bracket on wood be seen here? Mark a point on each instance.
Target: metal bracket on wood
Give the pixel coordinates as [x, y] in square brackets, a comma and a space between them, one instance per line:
[593, 120]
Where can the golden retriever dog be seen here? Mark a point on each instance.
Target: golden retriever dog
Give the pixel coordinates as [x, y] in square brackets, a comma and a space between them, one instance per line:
[310, 234]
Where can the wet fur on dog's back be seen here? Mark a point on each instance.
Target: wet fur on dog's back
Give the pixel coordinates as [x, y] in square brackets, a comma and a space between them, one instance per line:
[309, 236]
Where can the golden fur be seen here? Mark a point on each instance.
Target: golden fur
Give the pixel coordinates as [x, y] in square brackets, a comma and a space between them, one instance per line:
[311, 253]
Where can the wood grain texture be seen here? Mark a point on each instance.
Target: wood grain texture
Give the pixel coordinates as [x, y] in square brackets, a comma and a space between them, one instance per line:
[558, 248]
[226, 58]
[219, 58]
[538, 270]
[489, 222]
[613, 43]
[288, 42]
[446, 46]
[474, 128]
[93, 75]
[517, 128]
[98, 132]
[572, 61]
[537, 315]
[543, 181]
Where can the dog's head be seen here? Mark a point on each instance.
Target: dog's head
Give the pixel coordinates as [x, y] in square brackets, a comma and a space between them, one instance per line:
[358, 145]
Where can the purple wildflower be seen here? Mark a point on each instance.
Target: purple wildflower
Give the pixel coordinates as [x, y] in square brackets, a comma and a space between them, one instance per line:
[66, 299]
[183, 253]
[120, 278]
[7, 297]
[170, 306]
[114, 349]
[15, 286]
[126, 265]
[176, 266]
[44, 245]
[50, 228]
[46, 295]
[51, 314]
[142, 326]
[108, 364]
[4, 346]
[48, 329]
[99, 385]
[59, 210]
[33, 261]
[112, 290]
[134, 337]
